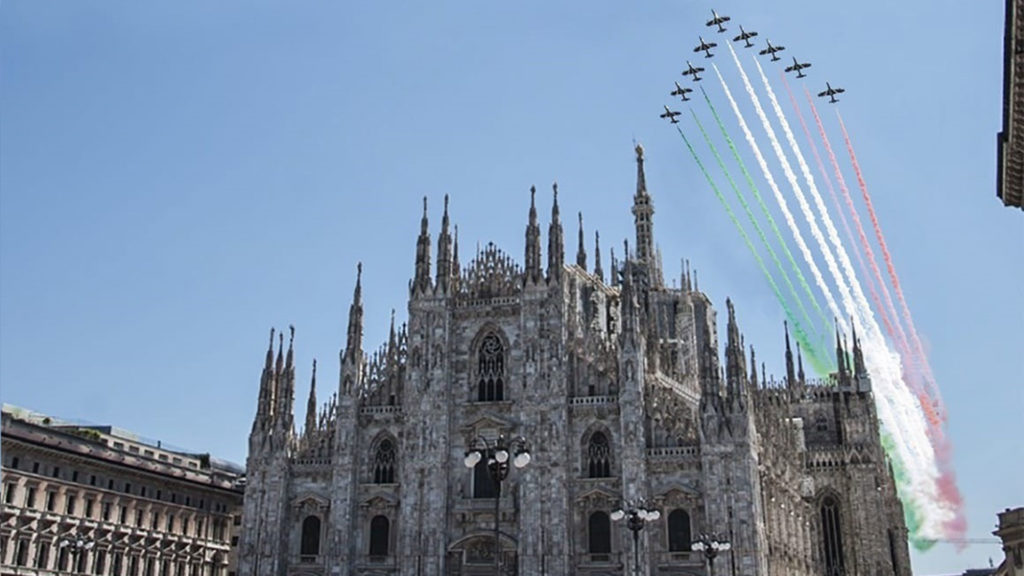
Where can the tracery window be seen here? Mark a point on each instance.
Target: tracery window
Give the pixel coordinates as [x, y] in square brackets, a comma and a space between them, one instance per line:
[380, 529]
[599, 533]
[679, 535]
[384, 463]
[310, 536]
[491, 369]
[833, 537]
[599, 456]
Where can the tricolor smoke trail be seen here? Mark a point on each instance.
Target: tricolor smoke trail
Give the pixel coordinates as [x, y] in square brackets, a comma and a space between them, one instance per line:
[778, 235]
[735, 221]
[889, 265]
[763, 164]
[842, 218]
[814, 353]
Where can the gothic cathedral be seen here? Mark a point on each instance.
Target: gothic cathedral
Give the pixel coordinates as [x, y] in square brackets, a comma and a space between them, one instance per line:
[616, 386]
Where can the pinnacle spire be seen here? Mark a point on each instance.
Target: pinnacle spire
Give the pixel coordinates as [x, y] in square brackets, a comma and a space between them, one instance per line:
[354, 343]
[311, 405]
[444, 253]
[753, 368]
[556, 245]
[735, 366]
[581, 250]
[643, 211]
[456, 267]
[800, 365]
[533, 273]
[421, 282]
[790, 375]
[291, 354]
[598, 271]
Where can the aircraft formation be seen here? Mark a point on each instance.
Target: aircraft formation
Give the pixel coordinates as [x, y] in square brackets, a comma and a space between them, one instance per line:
[718, 21]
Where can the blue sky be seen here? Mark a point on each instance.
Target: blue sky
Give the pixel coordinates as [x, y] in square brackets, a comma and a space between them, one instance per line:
[175, 179]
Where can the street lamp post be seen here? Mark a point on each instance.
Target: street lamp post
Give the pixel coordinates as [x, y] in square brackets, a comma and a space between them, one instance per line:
[75, 545]
[637, 514]
[498, 455]
[710, 544]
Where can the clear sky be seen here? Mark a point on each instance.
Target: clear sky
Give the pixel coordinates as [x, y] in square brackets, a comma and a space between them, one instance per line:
[177, 178]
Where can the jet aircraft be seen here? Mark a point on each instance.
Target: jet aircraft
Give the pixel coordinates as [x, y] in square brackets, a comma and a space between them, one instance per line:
[671, 115]
[798, 68]
[831, 93]
[691, 69]
[745, 36]
[681, 92]
[705, 46]
[717, 20]
[772, 50]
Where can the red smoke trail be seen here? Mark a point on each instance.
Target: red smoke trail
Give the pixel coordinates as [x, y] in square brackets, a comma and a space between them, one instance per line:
[912, 376]
[846, 227]
[922, 358]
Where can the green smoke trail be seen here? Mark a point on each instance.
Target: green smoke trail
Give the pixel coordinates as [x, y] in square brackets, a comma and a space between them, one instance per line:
[750, 246]
[768, 215]
[822, 366]
[911, 509]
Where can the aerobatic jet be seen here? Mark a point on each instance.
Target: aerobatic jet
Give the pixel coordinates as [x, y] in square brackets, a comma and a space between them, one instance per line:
[831, 93]
[671, 115]
[691, 69]
[681, 92]
[705, 46]
[717, 20]
[745, 36]
[772, 50]
[798, 68]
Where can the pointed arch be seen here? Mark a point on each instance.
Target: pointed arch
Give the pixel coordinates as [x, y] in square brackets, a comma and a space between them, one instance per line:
[384, 459]
[380, 535]
[491, 360]
[597, 453]
[679, 532]
[599, 533]
[310, 543]
[832, 535]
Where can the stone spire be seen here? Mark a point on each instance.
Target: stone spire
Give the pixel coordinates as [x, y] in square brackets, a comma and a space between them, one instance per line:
[840, 356]
[285, 385]
[643, 211]
[533, 273]
[753, 368]
[556, 243]
[581, 251]
[614, 278]
[859, 371]
[265, 406]
[735, 363]
[800, 366]
[421, 283]
[311, 405]
[790, 374]
[444, 253]
[354, 342]
[598, 271]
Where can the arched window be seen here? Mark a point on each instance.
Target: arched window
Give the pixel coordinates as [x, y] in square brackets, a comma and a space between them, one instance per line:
[679, 531]
[483, 484]
[491, 369]
[599, 533]
[833, 537]
[380, 529]
[599, 456]
[384, 463]
[310, 536]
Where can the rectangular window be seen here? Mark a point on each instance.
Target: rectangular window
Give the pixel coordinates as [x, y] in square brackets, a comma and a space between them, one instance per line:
[92, 480]
[119, 445]
[14, 462]
[74, 476]
[176, 461]
[106, 511]
[234, 540]
[238, 520]
[30, 497]
[51, 497]
[154, 520]
[138, 518]
[199, 528]
[56, 471]
[116, 568]
[188, 501]
[123, 515]
[133, 449]
[9, 493]
[69, 504]
[142, 491]
[133, 565]
[148, 453]
[184, 526]
[35, 467]
[127, 488]
[88, 508]
[21, 553]
[159, 494]
[110, 484]
[99, 562]
[170, 522]
[42, 554]
[174, 498]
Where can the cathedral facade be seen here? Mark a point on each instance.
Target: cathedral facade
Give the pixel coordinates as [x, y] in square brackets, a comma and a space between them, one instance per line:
[622, 394]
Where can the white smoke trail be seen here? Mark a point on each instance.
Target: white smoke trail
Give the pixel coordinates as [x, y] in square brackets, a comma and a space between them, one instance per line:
[779, 198]
[898, 409]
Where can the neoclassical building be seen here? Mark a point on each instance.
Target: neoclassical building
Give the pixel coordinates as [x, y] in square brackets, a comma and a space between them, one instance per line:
[619, 385]
[99, 500]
